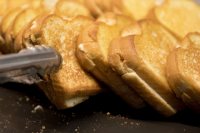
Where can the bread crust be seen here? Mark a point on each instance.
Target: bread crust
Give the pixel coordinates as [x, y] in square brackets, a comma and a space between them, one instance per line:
[70, 85]
[92, 56]
[184, 83]
[74, 8]
[141, 76]
[180, 26]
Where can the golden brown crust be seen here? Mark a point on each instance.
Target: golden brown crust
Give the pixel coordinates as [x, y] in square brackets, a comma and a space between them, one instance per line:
[68, 9]
[70, 85]
[5, 26]
[151, 85]
[4, 6]
[192, 39]
[184, 81]
[137, 9]
[179, 26]
[92, 54]
[19, 24]
[28, 35]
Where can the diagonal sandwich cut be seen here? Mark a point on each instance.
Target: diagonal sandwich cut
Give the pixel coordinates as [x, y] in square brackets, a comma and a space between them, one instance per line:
[140, 59]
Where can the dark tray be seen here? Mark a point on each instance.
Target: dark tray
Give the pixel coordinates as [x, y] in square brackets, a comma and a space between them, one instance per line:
[104, 113]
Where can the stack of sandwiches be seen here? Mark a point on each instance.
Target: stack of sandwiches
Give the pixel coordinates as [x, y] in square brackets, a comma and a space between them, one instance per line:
[146, 51]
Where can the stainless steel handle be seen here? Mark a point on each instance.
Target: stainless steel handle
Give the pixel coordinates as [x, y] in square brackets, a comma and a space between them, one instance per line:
[29, 65]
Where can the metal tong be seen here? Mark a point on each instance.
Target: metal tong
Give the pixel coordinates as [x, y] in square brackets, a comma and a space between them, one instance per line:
[30, 65]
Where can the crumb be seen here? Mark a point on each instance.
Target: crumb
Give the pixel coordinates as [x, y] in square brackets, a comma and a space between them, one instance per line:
[77, 129]
[137, 124]
[37, 108]
[108, 113]
[43, 127]
[27, 99]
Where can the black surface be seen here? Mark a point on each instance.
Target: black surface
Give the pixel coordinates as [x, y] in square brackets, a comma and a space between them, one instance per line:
[104, 113]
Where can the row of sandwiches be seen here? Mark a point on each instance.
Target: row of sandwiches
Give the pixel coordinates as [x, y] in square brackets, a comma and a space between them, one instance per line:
[145, 51]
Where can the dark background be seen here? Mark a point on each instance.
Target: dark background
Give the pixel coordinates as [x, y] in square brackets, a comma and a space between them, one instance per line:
[104, 113]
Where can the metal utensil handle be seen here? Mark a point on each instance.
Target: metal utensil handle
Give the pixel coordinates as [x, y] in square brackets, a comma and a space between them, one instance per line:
[29, 64]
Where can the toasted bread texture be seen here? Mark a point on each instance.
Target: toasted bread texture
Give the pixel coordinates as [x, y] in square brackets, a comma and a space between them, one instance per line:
[20, 21]
[6, 24]
[137, 9]
[71, 85]
[28, 35]
[68, 9]
[4, 5]
[16, 3]
[141, 60]
[183, 71]
[92, 52]
[191, 39]
[179, 10]
[49, 5]
[99, 7]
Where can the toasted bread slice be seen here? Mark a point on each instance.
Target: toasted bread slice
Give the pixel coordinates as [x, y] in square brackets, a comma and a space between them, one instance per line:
[179, 10]
[99, 7]
[92, 52]
[191, 39]
[183, 75]
[9, 18]
[71, 85]
[4, 6]
[137, 9]
[183, 72]
[49, 5]
[16, 3]
[141, 60]
[28, 35]
[68, 9]
[6, 24]
[20, 21]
